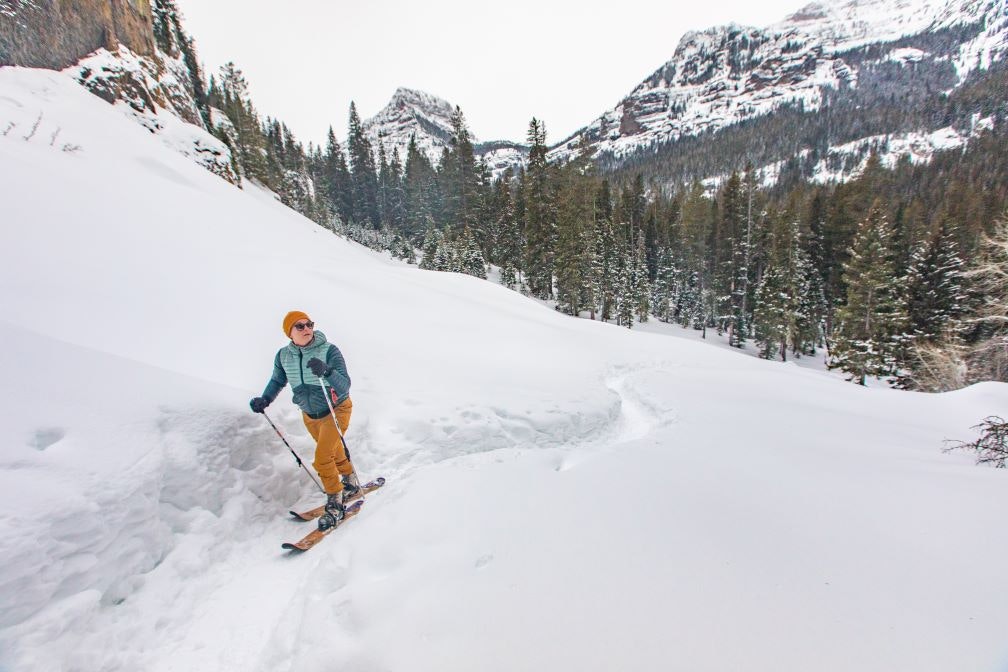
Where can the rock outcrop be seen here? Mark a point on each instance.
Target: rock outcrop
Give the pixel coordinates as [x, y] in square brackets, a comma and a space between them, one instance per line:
[55, 34]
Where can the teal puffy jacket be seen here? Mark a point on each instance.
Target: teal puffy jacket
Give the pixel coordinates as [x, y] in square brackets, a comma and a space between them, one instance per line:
[291, 366]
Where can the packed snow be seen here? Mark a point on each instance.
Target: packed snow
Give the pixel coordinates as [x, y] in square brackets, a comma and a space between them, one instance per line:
[562, 494]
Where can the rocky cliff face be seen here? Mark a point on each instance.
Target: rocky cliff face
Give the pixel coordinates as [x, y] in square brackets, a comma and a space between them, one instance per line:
[109, 47]
[57, 33]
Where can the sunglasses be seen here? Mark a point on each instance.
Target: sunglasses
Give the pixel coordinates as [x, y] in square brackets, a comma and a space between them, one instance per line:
[301, 326]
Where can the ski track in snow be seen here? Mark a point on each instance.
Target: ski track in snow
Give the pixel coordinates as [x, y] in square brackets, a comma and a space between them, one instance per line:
[226, 550]
[224, 527]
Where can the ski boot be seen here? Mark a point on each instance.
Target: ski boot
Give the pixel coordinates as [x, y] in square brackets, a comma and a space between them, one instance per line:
[334, 512]
[351, 486]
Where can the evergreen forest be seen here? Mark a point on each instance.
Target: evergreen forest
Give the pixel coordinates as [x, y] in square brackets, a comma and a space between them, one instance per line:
[899, 274]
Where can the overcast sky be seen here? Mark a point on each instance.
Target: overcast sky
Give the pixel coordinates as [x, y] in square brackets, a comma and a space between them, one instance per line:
[503, 63]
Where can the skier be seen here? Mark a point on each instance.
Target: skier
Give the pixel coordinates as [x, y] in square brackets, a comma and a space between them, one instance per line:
[303, 362]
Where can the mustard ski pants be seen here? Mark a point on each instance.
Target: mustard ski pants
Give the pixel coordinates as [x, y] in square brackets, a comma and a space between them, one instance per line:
[331, 458]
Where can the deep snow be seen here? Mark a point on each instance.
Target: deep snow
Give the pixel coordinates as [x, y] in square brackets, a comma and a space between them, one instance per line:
[562, 494]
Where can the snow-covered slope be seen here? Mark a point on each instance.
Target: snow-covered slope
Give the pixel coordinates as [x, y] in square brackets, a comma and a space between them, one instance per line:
[562, 494]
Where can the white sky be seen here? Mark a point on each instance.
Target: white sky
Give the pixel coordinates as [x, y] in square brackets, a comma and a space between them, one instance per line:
[562, 62]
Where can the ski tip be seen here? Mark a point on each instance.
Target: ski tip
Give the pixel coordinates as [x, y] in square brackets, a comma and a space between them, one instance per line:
[287, 546]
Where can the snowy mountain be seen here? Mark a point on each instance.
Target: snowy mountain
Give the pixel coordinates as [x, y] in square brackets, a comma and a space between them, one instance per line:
[731, 77]
[562, 494]
[408, 113]
[414, 113]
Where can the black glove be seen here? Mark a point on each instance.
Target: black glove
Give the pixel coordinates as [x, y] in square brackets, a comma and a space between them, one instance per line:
[258, 405]
[318, 367]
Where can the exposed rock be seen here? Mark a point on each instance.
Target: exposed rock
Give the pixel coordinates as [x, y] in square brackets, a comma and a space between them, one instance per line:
[57, 33]
[154, 91]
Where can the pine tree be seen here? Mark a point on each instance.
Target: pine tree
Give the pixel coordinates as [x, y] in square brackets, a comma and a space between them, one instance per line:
[433, 241]
[508, 245]
[336, 180]
[934, 286]
[816, 252]
[782, 314]
[809, 306]
[696, 223]
[385, 188]
[575, 250]
[731, 260]
[468, 258]
[363, 174]
[640, 286]
[396, 194]
[772, 314]
[251, 141]
[665, 290]
[460, 180]
[419, 186]
[988, 316]
[605, 252]
[624, 291]
[540, 216]
[485, 213]
[692, 311]
[870, 326]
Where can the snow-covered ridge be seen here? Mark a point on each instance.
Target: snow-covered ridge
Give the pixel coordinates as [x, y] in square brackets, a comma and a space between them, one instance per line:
[729, 74]
[717, 78]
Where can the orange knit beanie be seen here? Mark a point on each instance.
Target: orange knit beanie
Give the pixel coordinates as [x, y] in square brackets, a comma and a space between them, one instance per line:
[291, 318]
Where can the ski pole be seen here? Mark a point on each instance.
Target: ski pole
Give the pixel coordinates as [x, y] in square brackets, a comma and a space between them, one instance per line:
[300, 463]
[346, 449]
[333, 411]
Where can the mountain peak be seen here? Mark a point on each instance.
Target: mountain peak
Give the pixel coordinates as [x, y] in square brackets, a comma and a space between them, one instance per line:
[414, 113]
[425, 102]
[411, 112]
